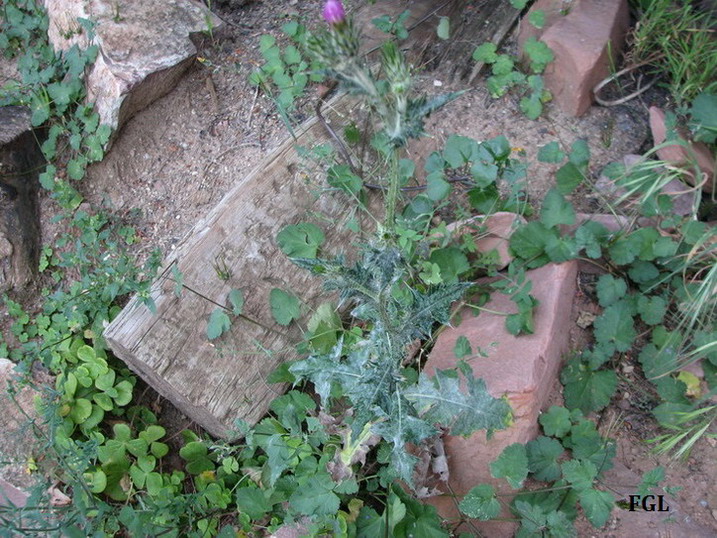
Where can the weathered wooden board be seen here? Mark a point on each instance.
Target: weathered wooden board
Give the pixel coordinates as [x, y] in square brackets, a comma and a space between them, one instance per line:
[481, 21]
[216, 382]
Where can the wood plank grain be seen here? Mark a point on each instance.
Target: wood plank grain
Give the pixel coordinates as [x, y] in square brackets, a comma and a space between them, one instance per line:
[481, 21]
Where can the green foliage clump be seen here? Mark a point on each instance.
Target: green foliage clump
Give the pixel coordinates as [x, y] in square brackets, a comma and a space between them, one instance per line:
[505, 74]
[660, 282]
[285, 73]
[570, 457]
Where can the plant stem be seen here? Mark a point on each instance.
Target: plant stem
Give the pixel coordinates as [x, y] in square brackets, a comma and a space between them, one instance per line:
[392, 194]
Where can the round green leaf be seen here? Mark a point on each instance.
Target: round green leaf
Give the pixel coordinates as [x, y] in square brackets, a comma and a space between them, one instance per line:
[96, 481]
[300, 240]
[81, 410]
[124, 390]
[104, 401]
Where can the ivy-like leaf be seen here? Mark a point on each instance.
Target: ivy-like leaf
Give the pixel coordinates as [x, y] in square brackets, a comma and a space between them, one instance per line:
[589, 237]
[568, 177]
[580, 474]
[556, 210]
[487, 53]
[316, 496]
[285, 307]
[550, 153]
[586, 389]
[219, 323]
[253, 502]
[301, 240]
[704, 117]
[528, 241]
[587, 444]
[597, 505]
[341, 177]
[236, 299]
[610, 289]
[462, 348]
[650, 480]
[580, 153]
[556, 421]
[543, 454]
[651, 309]
[643, 272]
[539, 53]
[481, 503]
[438, 188]
[459, 150]
[615, 326]
[537, 18]
[531, 106]
[452, 263]
[512, 464]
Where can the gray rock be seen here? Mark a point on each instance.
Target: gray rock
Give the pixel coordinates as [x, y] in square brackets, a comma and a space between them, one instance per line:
[145, 48]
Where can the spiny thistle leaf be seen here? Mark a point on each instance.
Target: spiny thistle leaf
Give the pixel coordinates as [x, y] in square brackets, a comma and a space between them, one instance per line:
[440, 401]
[399, 429]
[430, 308]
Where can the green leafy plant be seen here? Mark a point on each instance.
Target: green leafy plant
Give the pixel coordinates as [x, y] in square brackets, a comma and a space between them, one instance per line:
[703, 118]
[660, 282]
[89, 389]
[286, 72]
[505, 75]
[396, 27]
[570, 457]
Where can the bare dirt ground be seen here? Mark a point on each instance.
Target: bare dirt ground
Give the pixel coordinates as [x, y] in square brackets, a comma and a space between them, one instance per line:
[175, 160]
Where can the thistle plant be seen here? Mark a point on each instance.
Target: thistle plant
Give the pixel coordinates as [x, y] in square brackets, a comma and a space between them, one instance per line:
[364, 368]
[401, 113]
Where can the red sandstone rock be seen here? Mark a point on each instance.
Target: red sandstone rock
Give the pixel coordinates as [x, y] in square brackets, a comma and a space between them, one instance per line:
[499, 228]
[524, 368]
[683, 154]
[582, 40]
[554, 10]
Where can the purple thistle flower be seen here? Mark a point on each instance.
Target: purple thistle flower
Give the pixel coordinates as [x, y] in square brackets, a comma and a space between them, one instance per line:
[334, 12]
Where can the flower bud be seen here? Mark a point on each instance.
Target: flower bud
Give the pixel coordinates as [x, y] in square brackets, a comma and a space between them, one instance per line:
[334, 12]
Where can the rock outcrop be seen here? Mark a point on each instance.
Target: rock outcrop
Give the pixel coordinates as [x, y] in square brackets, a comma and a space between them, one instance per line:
[144, 48]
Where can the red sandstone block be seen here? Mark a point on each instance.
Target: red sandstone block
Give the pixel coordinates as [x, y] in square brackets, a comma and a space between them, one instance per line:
[586, 37]
[524, 368]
